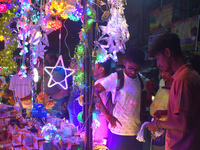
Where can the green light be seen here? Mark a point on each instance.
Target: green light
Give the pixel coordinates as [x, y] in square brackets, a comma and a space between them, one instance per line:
[80, 50]
[90, 21]
[99, 57]
[79, 117]
[22, 67]
[89, 12]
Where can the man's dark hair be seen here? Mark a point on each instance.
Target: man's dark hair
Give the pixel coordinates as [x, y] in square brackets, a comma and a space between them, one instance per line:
[166, 40]
[135, 55]
[19, 62]
[52, 55]
[106, 65]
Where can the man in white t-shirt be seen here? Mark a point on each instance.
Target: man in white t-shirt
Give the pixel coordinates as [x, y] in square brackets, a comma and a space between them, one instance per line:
[125, 123]
[101, 70]
[21, 87]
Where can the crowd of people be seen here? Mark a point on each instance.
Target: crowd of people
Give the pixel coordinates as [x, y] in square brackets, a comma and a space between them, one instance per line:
[121, 97]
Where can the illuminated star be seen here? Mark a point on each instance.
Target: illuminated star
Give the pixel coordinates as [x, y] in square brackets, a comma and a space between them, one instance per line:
[39, 50]
[60, 59]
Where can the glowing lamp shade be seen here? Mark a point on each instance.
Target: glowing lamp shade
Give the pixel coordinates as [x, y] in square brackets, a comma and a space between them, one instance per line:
[35, 75]
[1, 38]
[79, 117]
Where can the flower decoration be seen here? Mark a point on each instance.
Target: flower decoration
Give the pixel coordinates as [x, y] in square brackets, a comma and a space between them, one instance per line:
[42, 97]
[57, 8]
[76, 14]
[3, 8]
[50, 104]
[55, 24]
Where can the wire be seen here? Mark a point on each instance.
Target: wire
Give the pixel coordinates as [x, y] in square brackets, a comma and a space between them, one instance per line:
[60, 42]
[65, 39]
[101, 8]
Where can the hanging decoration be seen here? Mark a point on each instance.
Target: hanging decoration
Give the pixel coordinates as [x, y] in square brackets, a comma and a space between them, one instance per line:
[33, 26]
[115, 34]
[50, 133]
[76, 14]
[65, 86]
[3, 8]
[8, 65]
[83, 44]
[38, 50]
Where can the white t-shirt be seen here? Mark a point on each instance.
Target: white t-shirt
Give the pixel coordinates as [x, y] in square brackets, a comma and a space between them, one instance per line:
[127, 108]
[22, 88]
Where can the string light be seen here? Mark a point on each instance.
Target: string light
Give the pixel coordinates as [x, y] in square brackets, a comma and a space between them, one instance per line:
[1, 38]
[50, 132]
[115, 33]
[3, 8]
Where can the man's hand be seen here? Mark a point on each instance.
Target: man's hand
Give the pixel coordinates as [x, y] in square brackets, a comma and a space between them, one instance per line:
[113, 121]
[152, 126]
[159, 114]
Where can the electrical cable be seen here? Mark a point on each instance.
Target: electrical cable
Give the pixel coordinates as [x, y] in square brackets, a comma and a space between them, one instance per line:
[65, 39]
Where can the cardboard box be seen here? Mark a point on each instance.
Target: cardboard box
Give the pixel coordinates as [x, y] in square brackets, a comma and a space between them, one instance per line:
[36, 140]
[29, 148]
[3, 133]
[14, 139]
[28, 141]
[16, 144]
[17, 148]
[22, 134]
[44, 145]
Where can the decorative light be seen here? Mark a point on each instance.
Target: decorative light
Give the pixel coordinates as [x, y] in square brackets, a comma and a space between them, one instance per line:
[115, 34]
[50, 132]
[60, 59]
[79, 117]
[3, 8]
[1, 38]
[80, 49]
[35, 75]
[90, 21]
[76, 14]
[56, 24]
[6, 62]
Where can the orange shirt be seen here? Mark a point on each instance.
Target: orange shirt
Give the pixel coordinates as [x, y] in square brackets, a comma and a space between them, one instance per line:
[184, 97]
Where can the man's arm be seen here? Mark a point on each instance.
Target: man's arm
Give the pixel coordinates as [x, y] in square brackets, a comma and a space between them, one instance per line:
[180, 123]
[111, 119]
[61, 94]
[26, 97]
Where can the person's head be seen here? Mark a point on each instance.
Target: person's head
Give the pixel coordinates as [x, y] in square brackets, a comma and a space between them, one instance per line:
[133, 62]
[50, 58]
[19, 64]
[166, 74]
[18, 61]
[166, 49]
[102, 69]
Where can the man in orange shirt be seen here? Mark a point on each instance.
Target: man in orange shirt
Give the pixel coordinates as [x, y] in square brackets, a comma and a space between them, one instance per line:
[183, 115]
